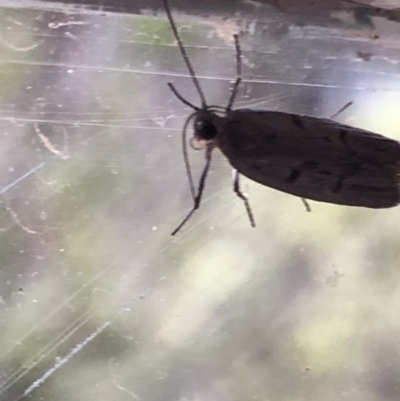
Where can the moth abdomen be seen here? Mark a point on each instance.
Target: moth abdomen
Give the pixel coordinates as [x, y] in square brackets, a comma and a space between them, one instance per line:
[354, 183]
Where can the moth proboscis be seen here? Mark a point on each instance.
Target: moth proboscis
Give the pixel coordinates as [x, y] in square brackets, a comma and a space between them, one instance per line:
[309, 157]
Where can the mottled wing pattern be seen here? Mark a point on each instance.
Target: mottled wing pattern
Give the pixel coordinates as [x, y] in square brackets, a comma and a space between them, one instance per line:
[313, 158]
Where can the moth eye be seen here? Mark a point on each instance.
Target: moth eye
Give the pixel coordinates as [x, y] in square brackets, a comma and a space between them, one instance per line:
[205, 129]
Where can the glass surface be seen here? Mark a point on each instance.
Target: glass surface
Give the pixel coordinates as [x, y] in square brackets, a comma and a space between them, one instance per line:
[98, 301]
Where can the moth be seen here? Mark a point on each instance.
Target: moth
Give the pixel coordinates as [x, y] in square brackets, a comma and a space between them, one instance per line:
[309, 157]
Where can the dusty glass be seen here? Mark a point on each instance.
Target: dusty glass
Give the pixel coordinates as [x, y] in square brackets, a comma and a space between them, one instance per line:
[98, 301]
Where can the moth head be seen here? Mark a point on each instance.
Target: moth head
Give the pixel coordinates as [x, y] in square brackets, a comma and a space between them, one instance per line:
[204, 127]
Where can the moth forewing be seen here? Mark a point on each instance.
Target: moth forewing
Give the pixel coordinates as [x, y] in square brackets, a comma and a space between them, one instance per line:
[313, 158]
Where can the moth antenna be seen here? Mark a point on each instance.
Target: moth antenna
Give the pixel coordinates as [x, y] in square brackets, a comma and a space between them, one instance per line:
[186, 156]
[200, 190]
[243, 197]
[185, 56]
[235, 87]
[181, 98]
[233, 95]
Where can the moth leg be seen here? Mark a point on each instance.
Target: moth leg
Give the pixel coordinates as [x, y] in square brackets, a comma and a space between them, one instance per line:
[341, 110]
[202, 182]
[306, 204]
[241, 195]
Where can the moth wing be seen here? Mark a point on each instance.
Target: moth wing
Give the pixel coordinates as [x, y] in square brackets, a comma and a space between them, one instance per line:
[313, 158]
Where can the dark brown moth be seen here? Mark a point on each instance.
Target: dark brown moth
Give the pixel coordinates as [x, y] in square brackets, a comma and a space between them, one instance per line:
[309, 157]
